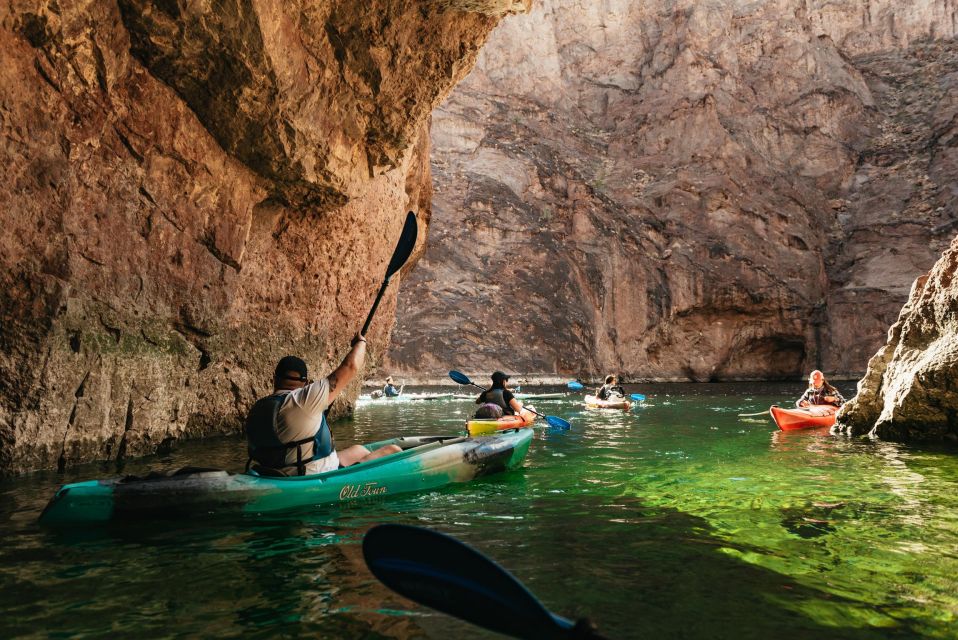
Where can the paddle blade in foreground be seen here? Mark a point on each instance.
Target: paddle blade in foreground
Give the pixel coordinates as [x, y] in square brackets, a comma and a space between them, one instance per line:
[459, 378]
[575, 386]
[558, 423]
[443, 573]
[638, 397]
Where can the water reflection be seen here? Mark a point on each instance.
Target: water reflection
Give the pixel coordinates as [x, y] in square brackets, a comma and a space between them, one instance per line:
[676, 519]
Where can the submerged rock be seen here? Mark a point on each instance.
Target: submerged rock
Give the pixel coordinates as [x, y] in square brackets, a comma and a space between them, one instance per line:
[910, 391]
[191, 190]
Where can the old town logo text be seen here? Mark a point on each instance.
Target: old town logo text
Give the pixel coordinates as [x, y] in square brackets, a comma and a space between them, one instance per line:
[351, 491]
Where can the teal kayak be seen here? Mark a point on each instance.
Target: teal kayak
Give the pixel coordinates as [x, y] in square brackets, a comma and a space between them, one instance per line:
[426, 462]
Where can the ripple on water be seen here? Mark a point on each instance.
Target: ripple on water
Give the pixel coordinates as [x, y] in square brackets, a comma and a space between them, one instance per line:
[676, 519]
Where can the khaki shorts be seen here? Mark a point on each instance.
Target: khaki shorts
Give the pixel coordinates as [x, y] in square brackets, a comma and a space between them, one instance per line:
[329, 463]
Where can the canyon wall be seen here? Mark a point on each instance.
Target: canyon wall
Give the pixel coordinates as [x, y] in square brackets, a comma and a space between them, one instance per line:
[686, 190]
[191, 190]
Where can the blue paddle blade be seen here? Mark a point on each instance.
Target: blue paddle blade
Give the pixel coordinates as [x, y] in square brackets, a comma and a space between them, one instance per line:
[441, 572]
[638, 397]
[459, 378]
[558, 423]
[575, 386]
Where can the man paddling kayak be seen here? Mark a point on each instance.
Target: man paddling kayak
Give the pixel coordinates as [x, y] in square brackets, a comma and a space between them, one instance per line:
[498, 400]
[287, 432]
[819, 392]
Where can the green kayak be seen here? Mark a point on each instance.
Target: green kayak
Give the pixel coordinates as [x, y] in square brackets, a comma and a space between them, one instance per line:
[426, 462]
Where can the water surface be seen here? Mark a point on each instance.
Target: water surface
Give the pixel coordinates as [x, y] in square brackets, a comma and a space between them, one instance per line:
[675, 520]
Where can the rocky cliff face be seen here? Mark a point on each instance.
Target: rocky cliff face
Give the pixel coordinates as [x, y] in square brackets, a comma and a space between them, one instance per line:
[687, 190]
[190, 190]
[910, 391]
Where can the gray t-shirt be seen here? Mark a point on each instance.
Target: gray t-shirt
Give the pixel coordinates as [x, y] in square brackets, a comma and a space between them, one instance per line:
[301, 415]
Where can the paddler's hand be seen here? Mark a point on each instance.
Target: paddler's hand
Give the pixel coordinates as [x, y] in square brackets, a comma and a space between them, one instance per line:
[803, 403]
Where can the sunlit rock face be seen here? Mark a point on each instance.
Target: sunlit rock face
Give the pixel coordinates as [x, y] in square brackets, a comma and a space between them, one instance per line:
[910, 391]
[687, 190]
[191, 190]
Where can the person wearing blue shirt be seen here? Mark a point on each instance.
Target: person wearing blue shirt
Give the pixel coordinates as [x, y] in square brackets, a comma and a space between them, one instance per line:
[390, 390]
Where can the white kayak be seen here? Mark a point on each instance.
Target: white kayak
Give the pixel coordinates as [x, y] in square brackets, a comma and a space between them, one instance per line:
[404, 397]
[622, 404]
[539, 396]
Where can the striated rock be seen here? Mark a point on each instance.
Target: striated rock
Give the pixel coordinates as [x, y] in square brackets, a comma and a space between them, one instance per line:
[190, 190]
[910, 391]
[686, 190]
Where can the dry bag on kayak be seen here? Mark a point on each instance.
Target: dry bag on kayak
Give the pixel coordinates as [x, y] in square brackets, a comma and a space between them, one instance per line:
[488, 411]
[264, 445]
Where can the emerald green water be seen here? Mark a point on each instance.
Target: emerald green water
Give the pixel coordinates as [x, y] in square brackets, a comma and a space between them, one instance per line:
[676, 520]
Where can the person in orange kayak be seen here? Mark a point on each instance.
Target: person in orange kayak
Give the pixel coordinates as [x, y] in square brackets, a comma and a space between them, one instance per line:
[287, 432]
[819, 392]
[498, 400]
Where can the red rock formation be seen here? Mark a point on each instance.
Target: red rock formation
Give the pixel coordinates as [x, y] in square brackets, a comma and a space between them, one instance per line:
[191, 190]
[686, 190]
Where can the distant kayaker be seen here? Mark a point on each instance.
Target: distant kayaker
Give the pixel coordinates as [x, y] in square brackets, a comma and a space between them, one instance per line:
[610, 389]
[819, 392]
[390, 390]
[498, 400]
[287, 431]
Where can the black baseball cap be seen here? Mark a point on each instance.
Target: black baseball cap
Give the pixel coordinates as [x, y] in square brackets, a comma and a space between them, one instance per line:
[290, 364]
[498, 376]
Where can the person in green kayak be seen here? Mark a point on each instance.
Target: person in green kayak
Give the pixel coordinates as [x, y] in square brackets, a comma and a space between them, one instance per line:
[819, 392]
[498, 400]
[286, 431]
[610, 389]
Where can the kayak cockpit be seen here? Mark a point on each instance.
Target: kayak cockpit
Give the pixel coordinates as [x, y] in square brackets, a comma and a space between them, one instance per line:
[423, 463]
[411, 446]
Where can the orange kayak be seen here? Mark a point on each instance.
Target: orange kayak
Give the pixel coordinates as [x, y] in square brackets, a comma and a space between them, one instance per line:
[480, 427]
[821, 415]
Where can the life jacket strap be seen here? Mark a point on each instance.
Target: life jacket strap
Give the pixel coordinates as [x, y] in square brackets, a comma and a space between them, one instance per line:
[298, 445]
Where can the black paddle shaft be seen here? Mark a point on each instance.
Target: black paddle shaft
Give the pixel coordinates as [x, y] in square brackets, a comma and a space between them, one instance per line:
[407, 241]
[372, 312]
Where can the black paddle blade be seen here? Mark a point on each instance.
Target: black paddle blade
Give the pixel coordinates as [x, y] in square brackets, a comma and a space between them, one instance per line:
[459, 378]
[407, 241]
[447, 575]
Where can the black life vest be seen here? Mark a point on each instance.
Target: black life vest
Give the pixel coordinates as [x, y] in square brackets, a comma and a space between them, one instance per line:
[608, 390]
[496, 396]
[264, 445]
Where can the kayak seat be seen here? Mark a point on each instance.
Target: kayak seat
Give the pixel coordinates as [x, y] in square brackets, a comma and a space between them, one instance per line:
[182, 472]
[268, 472]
